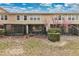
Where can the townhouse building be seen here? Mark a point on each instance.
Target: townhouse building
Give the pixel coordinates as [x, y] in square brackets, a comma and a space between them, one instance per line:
[36, 23]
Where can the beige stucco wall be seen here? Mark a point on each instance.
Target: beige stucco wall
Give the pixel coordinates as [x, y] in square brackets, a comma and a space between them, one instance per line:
[45, 19]
[12, 19]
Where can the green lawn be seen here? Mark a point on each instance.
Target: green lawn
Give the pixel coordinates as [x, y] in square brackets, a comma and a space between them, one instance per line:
[3, 45]
[35, 46]
[39, 47]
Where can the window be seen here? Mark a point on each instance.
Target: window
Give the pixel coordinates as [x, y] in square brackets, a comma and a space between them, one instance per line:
[59, 17]
[38, 18]
[5, 17]
[35, 18]
[73, 18]
[1, 17]
[18, 17]
[25, 17]
[69, 18]
[62, 18]
[31, 18]
[76, 17]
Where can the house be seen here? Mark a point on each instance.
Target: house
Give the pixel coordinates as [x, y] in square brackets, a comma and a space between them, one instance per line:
[36, 23]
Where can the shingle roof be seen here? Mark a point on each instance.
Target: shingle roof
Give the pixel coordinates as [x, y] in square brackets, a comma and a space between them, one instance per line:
[7, 12]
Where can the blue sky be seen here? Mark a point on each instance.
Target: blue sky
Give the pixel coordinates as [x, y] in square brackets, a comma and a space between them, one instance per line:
[41, 7]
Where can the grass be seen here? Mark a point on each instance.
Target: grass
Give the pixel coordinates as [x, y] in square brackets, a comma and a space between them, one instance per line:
[3, 45]
[33, 43]
[6, 44]
[38, 47]
[72, 45]
[35, 46]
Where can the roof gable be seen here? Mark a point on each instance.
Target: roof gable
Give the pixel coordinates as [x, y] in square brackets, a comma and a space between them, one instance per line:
[3, 11]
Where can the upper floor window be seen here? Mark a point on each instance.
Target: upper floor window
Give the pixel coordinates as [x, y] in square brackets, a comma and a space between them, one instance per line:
[73, 18]
[38, 18]
[76, 17]
[2, 18]
[69, 18]
[62, 18]
[34, 18]
[59, 18]
[31, 18]
[18, 17]
[5, 17]
[25, 17]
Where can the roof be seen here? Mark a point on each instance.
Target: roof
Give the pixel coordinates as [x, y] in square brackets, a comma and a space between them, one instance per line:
[3, 10]
[6, 12]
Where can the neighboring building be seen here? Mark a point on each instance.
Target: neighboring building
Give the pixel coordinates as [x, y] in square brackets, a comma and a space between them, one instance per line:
[25, 23]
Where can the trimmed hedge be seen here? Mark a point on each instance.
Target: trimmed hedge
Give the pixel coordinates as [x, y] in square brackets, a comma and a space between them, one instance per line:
[54, 30]
[54, 37]
[54, 34]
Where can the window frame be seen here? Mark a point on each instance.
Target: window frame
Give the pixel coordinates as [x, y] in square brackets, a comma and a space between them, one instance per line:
[2, 17]
[6, 17]
[25, 17]
[59, 17]
[18, 17]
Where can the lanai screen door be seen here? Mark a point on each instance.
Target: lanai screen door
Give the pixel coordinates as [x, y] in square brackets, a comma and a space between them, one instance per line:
[18, 29]
[15, 29]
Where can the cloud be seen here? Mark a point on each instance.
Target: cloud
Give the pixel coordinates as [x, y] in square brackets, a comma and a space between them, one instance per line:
[24, 4]
[66, 4]
[58, 8]
[30, 7]
[46, 4]
[23, 8]
[15, 9]
[8, 3]
[73, 8]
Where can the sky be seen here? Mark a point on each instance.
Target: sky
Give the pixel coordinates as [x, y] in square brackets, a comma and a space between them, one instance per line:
[41, 7]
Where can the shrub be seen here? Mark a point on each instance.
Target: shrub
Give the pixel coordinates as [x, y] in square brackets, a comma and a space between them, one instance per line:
[54, 37]
[54, 30]
[54, 34]
[2, 31]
